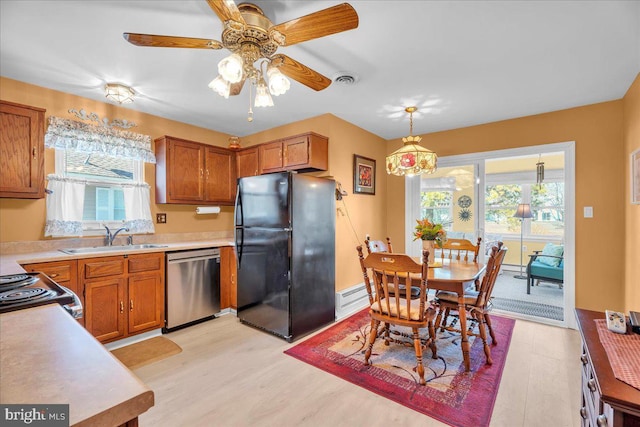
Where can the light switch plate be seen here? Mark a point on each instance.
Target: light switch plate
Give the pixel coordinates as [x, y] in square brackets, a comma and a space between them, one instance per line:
[161, 218]
[588, 211]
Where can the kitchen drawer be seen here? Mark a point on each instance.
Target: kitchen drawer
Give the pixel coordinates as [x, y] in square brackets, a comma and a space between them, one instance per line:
[145, 262]
[61, 271]
[102, 267]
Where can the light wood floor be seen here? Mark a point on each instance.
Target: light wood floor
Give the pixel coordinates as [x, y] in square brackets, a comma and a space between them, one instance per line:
[229, 374]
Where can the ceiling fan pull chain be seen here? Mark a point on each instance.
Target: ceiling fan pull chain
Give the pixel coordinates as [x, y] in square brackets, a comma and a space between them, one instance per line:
[250, 116]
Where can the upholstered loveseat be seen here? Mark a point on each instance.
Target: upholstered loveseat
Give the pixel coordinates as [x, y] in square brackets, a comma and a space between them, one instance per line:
[546, 265]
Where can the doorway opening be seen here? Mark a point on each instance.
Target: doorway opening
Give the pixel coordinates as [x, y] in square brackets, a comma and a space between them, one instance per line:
[478, 195]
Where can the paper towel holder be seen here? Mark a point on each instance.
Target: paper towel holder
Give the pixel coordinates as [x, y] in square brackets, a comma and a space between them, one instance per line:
[200, 210]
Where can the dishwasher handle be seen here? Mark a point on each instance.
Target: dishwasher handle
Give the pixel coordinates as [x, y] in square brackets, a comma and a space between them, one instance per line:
[192, 255]
[199, 258]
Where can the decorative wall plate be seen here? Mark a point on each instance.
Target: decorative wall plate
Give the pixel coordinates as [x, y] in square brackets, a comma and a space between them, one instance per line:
[465, 215]
[464, 201]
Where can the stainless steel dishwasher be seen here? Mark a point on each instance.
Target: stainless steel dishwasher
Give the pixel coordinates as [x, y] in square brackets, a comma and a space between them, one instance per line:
[193, 287]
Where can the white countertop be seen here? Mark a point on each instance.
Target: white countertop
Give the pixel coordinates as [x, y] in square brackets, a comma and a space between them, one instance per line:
[10, 263]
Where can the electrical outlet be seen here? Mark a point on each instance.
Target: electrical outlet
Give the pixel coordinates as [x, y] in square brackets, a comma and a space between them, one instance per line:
[524, 248]
[161, 218]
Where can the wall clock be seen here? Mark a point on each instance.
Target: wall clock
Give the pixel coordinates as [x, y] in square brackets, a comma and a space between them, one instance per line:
[464, 214]
[464, 201]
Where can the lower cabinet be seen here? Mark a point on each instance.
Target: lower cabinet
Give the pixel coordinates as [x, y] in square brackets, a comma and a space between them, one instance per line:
[124, 295]
[228, 275]
[64, 273]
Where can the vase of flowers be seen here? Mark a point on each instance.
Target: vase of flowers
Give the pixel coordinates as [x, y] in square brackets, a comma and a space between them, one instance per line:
[432, 236]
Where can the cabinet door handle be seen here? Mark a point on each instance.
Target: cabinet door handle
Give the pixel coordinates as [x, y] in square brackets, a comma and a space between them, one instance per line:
[121, 307]
[583, 358]
[33, 151]
[207, 173]
[201, 172]
[53, 275]
[601, 420]
[130, 305]
[583, 412]
[592, 385]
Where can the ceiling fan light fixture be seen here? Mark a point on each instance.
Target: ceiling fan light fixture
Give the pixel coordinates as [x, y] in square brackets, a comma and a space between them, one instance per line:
[263, 97]
[220, 86]
[412, 158]
[231, 68]
[119, 93]
[278, 83]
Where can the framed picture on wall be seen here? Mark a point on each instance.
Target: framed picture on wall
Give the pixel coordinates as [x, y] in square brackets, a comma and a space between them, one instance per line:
[635, 177]
[364, 175]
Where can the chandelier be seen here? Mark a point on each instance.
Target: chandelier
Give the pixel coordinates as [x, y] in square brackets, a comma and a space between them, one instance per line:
[238, 67]
[411, 159]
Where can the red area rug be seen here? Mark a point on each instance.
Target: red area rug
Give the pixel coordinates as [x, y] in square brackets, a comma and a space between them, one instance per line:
[452, 396]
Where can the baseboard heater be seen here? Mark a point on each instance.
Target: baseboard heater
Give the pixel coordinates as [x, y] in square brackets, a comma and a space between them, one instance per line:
[350, 300]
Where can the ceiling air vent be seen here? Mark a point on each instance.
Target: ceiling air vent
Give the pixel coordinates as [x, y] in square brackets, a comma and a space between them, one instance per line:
[345, 79]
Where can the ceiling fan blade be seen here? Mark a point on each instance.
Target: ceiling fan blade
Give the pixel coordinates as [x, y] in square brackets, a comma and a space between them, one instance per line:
[170, 41]
[236, 88]
[226, 10]
[300, 73]
[328, 21]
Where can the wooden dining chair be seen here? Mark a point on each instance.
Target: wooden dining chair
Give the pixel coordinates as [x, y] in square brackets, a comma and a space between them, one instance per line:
[388, 272]
[378, 245]
[477, 303]
[460, 249]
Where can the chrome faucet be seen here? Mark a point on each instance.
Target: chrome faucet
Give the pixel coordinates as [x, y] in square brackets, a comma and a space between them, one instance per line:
[109, 237]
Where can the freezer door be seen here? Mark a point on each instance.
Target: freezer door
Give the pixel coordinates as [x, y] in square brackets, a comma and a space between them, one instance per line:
[263, 201]
[263, 280]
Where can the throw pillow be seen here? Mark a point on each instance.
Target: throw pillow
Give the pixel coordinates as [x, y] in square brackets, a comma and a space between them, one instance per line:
[551, 249]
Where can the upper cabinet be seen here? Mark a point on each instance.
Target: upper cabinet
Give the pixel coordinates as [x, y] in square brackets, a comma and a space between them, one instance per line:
[189, 172]
[247, 162]
[305, 153]
[21, 151]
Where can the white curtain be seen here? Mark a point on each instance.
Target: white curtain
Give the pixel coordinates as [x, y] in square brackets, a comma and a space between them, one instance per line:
[65, 201]
[137, 209]
[70, 134]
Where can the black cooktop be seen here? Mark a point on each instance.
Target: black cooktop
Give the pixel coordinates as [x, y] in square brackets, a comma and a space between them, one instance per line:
[18, 291]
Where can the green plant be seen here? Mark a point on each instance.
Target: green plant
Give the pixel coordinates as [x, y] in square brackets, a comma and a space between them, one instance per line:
[426, 230]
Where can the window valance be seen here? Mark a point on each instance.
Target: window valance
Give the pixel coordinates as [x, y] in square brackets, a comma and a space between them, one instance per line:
[89, 138]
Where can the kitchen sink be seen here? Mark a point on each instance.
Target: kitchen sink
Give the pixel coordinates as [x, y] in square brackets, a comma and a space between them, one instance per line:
[119, 248]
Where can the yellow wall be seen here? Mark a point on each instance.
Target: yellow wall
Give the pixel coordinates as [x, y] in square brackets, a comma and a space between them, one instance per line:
[631, 103]
[366, 213]
[597, 131]
[31, 213]
[605, 135]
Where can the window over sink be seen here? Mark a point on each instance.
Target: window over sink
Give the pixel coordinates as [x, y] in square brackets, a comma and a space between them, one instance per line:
[98, 180]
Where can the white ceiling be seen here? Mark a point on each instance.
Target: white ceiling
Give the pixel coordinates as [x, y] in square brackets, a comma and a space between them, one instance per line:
[463, 63]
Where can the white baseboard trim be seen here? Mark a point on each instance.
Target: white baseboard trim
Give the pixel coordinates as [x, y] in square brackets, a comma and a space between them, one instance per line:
[350, 300]
[134, 339]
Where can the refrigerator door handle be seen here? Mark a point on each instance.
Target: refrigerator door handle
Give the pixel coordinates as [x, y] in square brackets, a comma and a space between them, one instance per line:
[239, 214]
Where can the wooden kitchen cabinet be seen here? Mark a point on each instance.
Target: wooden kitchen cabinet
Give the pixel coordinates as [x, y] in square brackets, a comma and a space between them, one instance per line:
[189, 172]
[145, 292]
[220, 175]
[228, 275]
[124, 294]
[64, 273]
[21, 151]
[305, 153]
[247, 162]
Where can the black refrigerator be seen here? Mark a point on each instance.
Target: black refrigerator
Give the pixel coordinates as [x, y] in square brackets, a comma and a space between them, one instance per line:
[285, 245]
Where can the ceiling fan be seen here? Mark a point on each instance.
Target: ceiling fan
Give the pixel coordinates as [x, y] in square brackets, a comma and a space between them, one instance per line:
[252, 38]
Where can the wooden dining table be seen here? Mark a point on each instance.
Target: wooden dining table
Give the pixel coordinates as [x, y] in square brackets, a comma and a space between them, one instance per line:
[455, 276]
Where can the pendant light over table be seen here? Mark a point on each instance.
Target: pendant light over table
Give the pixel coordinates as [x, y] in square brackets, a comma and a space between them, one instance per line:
[411, 158]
